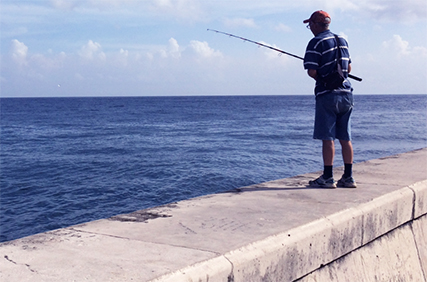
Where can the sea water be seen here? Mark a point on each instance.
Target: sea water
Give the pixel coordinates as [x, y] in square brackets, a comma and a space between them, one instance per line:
[66, 161]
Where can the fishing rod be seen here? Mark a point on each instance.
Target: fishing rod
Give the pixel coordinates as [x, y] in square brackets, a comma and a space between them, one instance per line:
[272, 48]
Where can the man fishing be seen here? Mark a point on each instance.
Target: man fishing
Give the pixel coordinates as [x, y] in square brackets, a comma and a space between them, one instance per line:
[327, 60]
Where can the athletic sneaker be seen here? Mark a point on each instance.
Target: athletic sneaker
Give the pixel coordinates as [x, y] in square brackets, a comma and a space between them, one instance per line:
[323, 183]
[347, 182]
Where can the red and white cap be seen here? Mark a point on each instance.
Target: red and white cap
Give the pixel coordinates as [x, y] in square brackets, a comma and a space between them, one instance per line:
[319, 17]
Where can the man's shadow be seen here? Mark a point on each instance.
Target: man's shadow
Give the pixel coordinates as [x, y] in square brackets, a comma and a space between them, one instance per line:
[257, 189]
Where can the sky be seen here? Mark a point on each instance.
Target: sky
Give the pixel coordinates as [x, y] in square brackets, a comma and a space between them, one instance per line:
[67, 48]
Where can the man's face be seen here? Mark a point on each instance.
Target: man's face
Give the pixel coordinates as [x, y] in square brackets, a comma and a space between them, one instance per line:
[316, 28]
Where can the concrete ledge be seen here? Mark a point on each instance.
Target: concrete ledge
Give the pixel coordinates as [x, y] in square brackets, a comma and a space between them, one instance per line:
[420, 191]
[291, 255]
[216, 269]
[386, 213]
[419, 228]
[392, 257]
[274, 231]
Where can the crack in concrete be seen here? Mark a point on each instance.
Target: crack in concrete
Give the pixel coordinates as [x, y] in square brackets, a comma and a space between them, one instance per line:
[14, 262]
[8, 259]
[187, 228]
[230, 277]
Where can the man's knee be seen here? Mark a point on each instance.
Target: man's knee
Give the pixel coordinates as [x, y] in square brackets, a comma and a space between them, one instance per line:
[345, 143]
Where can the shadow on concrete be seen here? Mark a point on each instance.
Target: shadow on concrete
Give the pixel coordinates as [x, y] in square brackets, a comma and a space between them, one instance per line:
[257, 189]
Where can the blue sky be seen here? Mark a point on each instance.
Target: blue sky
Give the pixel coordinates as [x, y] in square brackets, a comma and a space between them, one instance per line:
[162, 47]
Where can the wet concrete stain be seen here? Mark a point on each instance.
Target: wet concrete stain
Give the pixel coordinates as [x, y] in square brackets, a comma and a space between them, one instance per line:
[138, 216]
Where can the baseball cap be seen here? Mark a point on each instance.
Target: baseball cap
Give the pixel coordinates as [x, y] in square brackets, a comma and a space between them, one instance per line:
[319, 17]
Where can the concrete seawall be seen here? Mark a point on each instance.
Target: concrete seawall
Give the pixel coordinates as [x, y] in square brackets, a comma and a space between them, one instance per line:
[274, 231]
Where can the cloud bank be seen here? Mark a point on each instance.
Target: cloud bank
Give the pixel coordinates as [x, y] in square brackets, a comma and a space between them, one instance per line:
[161, 47]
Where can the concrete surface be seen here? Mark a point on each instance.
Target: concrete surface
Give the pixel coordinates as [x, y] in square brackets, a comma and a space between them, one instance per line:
[274, 231]
[392, 257]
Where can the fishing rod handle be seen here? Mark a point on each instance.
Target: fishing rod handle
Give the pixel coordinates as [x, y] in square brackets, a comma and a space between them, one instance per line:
[354, 77]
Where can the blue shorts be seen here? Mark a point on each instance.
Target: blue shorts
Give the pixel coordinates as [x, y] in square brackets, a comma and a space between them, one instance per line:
[332, 120]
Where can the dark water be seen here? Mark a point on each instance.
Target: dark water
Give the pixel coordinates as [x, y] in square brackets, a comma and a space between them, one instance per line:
[70, 160]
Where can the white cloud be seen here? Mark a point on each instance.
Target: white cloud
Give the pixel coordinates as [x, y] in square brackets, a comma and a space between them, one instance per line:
[397, 44]
[420, 51]
[396, 67]
[19, 52]
[53, 62]
[162, 69]
[397, 10]
[174, 48]
[388, 10]
[34, 62]
[202, 49]
[239, 22]
[141, 41]
[125, 53]
[171, 50]
[407, 10]
[92, 50]
[199, 10]
[121, 58]
[401, 47]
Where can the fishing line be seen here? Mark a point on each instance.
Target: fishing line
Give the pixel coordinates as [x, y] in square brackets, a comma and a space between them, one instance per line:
[272, 48]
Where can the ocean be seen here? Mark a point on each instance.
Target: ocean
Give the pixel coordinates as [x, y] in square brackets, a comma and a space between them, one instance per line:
[66, 161]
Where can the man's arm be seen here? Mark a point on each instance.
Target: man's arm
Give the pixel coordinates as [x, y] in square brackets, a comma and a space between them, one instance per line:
[312, 73]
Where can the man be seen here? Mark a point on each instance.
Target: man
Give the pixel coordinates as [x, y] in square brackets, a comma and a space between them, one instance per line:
[334, 101]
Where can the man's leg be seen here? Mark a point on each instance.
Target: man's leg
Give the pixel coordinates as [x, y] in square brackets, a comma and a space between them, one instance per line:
[347, 154]
[324, 128]
[347, 151]
[328, 151]
[344, 135]
[326, 180]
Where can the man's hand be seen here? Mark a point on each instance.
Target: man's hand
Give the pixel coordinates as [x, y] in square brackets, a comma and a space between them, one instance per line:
[312, 73]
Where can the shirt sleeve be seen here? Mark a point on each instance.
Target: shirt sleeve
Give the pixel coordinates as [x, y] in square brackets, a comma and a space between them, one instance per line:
[345, 54]
[311, 57]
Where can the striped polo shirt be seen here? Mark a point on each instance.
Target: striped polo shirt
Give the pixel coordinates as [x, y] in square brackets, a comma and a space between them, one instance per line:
[321, 55]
